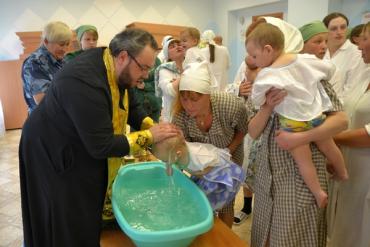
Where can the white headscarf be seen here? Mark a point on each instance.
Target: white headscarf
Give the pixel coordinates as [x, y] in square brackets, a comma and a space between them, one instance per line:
[165, 48]
[197, 77]
[165, 39]
[208, 36]
[293, 37]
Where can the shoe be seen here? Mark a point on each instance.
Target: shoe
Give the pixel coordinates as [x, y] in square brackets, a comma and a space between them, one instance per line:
[239, 217]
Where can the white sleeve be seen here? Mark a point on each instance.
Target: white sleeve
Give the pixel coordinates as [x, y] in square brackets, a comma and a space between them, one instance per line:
[165, 84]
[367, 128]
[240, 74]
[350, 73]
[331, 69]
[228, 63]
[161, 56]
[193, 55]
[337, 83]
[262, 84]
[258, 95]
[233, 88]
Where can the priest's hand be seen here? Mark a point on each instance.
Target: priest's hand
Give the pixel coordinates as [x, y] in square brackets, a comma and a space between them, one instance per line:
[163, 131]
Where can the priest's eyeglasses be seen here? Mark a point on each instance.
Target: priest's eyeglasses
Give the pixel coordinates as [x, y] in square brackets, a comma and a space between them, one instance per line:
[143, 68]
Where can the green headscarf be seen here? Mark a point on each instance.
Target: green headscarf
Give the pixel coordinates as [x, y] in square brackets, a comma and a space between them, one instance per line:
[82, 29]
[311, 29]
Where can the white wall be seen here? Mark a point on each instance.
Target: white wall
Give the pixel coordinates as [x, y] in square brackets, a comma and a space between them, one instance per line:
[239, 20]
[302, 12]
[223, 7]
[109, 16]
[354, 10]
[350, 8]
[229, 14]
[297, 12]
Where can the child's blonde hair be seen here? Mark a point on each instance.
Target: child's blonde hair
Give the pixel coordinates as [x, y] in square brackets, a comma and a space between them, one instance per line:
[192, 32]
[267, 34]
[167, 146]
[366, 28]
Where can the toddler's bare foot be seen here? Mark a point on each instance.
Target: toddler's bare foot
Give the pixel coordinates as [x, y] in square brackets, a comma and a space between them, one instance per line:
[321, 199]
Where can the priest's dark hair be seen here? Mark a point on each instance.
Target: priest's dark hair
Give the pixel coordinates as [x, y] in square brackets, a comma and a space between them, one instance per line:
[132, 40]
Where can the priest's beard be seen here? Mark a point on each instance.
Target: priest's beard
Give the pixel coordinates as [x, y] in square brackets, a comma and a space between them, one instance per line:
[125, 79]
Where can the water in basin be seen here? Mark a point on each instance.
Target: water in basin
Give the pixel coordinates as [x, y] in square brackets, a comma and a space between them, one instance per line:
[159, 205]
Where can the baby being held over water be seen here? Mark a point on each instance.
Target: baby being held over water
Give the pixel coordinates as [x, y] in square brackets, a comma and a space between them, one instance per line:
[211, 167]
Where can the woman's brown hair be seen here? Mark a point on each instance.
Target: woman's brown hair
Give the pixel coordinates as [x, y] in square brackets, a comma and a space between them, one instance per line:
[327, 19]
[177, 107]
[211, 53]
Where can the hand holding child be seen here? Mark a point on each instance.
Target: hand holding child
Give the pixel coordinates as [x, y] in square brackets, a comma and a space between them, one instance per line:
[274, 96]
[289, 140]
[245, 88]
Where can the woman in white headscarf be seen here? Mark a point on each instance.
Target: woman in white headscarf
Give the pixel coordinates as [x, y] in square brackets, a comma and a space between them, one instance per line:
[161, 53]
[167, 76]
[292, 36]
[285, 212]
[211, 117]
[240, 86]
[218, 58]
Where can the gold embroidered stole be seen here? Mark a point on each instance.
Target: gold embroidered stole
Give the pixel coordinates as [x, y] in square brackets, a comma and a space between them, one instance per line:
[119, 121]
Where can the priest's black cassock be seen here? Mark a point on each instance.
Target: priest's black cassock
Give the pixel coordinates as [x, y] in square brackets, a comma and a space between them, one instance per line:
[63, 155]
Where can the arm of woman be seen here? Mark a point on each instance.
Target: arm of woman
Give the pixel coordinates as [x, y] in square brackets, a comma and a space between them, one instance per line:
[240, 74]
[238, 138]
[227, 55]
[36, 76]
[165, 82]
[356, 138]
[335, 122]
[239, 119]
[258, 123]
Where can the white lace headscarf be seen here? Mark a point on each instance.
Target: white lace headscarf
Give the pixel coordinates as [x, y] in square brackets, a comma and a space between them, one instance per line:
[292, 36]
[197, 77]
[165, 48]
[208, 36]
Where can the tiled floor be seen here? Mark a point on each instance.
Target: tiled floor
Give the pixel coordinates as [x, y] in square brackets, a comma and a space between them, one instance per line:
[10, 202]
[10, 208]
[243, 230]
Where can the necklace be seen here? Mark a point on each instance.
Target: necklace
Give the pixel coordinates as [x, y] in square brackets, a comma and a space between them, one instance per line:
[202, 120]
